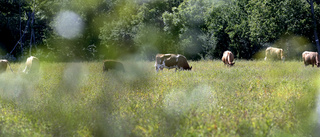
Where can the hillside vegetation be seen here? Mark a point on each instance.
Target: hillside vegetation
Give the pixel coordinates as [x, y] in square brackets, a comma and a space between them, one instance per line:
[253, 98]
[87, 30]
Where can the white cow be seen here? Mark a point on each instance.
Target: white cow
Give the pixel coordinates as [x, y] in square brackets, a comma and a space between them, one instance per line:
[32, 65]
[274, 54]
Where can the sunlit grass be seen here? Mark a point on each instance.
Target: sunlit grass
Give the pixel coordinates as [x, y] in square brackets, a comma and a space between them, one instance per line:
[253, 98]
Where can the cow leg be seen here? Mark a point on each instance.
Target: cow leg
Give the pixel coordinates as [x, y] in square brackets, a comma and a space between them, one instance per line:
[158, 67]
[312, 63]
[266, 56]
[176, 68]
[25, 69]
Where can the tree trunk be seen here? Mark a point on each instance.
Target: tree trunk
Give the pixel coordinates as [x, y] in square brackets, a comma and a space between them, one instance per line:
[21, 38]
[32, 37]
[314, 25]
[20, 31]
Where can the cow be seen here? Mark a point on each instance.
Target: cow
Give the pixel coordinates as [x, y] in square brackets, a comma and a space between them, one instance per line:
[170, 61]
[312, 58]
[112, 64]
[274, 54]
[32, 65]
[3, 65]
[228, 58]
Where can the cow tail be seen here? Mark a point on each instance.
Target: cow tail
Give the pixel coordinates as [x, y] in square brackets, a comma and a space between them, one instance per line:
[281, 56]
[229, 60]
[317, 59]
[10, 67]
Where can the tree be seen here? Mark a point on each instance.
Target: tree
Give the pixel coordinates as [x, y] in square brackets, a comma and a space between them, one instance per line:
[137, 27]
[311, 2]
[118, 30]
[239, 30]
[217, 25]
[187, 25]
[16, 15]
[196, 28]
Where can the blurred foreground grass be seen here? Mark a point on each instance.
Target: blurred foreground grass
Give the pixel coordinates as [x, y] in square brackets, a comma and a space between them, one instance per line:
[253, 98]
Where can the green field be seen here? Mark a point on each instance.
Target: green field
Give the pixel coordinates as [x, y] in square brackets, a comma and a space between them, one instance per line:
[253, 98]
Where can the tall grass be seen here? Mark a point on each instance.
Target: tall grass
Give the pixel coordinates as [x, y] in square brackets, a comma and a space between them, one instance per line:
[253, 98]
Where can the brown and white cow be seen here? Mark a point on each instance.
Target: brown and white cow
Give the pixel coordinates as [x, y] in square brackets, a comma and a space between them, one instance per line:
[274, 54]
[312, 58]
[170, 61]
[3, 65]
[112, 64]
[228, 58]
[32, 65]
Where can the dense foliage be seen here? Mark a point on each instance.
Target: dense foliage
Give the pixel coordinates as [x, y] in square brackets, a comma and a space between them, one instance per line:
[114, 28]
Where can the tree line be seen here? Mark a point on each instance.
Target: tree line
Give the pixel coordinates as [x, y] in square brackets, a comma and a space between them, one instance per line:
[199, 29]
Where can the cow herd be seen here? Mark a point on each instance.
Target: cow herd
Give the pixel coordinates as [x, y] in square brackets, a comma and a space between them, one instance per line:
[32, 65]
[177, 61]
[308, 57]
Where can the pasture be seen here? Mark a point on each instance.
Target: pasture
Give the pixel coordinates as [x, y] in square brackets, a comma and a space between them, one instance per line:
[252, 98]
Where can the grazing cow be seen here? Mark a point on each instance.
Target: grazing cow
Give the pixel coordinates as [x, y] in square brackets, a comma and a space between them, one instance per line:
[32, 65]
[311, 58]
[112, 64]
[170, 61]
[3, 65]
[274, 54]
[228, 58]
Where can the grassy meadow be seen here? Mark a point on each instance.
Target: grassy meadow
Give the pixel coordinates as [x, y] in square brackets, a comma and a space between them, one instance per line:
[253, 98]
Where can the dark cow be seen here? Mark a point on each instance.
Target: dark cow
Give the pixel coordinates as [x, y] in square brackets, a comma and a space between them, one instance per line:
[274, 54]
[32, 65]
[312, 58]
[170, 61]
[112, 64]
[228, 58]
[3, 65]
